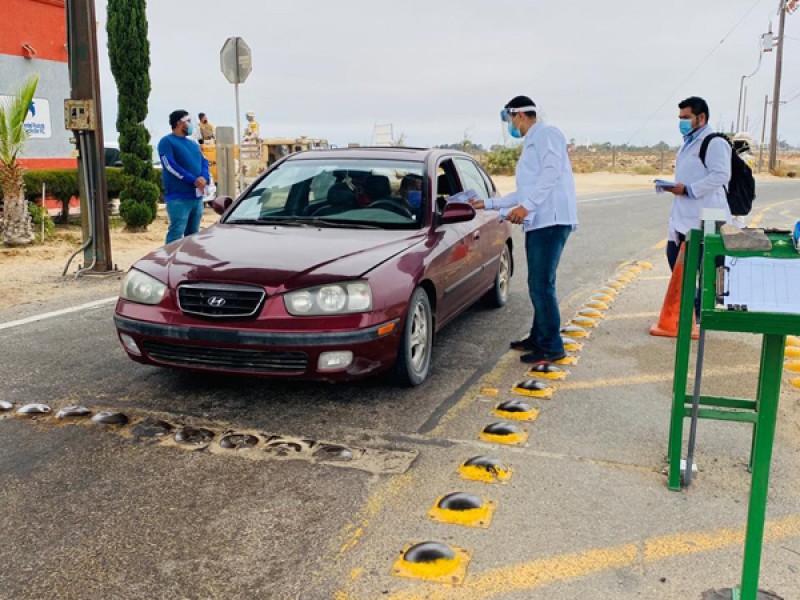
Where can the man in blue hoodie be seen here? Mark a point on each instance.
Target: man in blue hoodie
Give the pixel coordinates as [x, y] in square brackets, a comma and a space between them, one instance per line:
[185, 175]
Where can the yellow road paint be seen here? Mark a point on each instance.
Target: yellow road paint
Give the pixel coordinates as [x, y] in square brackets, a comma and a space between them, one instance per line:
[490, 392]
[535, 574]
[626, 316]
[759, 216]
[653, 378]
[444, 570]
[479, 517]
[660, 245]
[356, 573]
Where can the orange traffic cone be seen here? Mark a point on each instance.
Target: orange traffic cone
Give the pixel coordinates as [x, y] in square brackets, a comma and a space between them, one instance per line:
[667, 325]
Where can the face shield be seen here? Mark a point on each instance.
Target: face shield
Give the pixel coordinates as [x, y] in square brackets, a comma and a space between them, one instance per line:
[505, 114]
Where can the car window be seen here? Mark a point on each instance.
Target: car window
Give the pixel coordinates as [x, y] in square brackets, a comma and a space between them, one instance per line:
[472, 178]
[447, 183]
[381, 193]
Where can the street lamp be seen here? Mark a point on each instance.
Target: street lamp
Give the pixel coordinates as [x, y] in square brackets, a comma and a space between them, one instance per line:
[767, 41]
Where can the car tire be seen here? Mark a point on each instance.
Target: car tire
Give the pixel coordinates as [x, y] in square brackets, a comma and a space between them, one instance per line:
[414, 354]
[497, 297]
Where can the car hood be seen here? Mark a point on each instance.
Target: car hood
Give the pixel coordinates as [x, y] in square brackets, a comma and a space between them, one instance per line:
[278, 258]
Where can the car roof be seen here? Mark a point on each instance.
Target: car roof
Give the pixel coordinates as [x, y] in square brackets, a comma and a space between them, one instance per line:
[376, 152]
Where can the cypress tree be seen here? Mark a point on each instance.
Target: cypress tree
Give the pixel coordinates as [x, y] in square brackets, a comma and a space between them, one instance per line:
[129, 54]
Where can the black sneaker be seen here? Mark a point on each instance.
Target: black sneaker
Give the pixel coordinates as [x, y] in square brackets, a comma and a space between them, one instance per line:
[525, 344]
[537, 357]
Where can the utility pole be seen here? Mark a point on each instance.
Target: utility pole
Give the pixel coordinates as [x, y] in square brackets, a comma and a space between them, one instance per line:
[776, 94]
[763, 132]
[83, 115]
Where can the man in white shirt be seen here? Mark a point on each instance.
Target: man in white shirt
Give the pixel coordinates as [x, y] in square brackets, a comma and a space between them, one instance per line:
[698, 186]
[544, 202]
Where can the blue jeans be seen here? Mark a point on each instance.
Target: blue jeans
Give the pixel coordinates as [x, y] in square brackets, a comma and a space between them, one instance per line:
[543, 249]
[184, 217]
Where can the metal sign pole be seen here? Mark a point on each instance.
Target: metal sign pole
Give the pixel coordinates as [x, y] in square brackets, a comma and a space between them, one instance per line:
[238, 141]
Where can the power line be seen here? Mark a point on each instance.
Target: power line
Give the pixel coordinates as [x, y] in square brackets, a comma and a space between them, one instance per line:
[695, 70]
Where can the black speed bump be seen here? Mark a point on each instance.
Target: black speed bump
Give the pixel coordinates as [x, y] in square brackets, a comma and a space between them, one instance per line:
[238, 441]
[73, 412]
[548, 371]
[460, 508]
[432, 561]
[533, 389]
[485, 469]
[516, 411]
[34, 410]
[505, 433]
[110, 417]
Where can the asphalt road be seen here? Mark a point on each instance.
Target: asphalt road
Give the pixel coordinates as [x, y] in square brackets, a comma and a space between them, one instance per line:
[90, 513]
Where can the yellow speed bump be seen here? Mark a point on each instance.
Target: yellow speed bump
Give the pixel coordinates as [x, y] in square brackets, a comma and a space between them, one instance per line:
[590, 313]
[581, 321]
[460, 508]
[547, 371]
[795, 383]
[601, 297]
[614, 284]
[485, 469]
[792, 340]
[573, 331]
[571, 344]
[516, 410]
[623, 277]
[568, 360]
[630, 269]
[597, 305]
[432, 561]
[505, 433]
[608, 291]
[532, 389]
[792, 352]
[792, 365]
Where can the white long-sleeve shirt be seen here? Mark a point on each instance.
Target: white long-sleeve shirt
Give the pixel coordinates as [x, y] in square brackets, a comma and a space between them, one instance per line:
[705, 185]
[545, 185]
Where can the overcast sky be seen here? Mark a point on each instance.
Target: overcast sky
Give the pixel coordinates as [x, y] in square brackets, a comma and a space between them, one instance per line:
[438, 70]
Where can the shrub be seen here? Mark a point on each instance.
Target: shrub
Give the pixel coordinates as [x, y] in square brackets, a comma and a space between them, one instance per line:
[136, 215]
[39, 215]
[645, 170]
[62, 184]
[501, 161]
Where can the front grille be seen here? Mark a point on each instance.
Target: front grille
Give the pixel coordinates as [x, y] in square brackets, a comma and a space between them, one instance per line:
[231, 359]
[220, 299]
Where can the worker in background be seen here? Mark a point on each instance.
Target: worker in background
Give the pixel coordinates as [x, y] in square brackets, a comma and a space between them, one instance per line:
[206, 132]
[251, 132]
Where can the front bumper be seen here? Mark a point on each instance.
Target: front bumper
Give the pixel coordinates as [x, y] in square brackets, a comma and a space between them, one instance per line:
[282, 354]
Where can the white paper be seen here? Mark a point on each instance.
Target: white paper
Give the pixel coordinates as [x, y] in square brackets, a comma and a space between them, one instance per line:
[464, 196]
[763, 284]
[662, 185]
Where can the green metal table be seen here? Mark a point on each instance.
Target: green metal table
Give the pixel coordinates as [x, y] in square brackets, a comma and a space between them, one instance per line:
[760, 412]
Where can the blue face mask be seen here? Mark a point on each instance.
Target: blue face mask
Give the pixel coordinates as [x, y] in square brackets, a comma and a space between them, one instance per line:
[514, 131]
[190, 129]
[686, 126]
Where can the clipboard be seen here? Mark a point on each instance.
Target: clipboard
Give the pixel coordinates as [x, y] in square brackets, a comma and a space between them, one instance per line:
[770, 285]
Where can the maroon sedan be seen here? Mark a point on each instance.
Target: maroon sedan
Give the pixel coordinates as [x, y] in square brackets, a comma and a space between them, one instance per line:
[335, 264]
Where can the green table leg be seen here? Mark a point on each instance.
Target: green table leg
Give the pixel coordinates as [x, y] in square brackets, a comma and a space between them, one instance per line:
[682, 349]
[769, 387]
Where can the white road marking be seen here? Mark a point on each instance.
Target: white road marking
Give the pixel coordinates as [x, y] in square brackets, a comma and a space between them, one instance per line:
[57, 313]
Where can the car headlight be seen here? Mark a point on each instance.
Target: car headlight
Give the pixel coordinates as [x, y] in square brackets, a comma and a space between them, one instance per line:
[332, 299]
[142, 288]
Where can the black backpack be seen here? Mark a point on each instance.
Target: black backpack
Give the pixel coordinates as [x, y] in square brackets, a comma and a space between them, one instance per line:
[741, 189]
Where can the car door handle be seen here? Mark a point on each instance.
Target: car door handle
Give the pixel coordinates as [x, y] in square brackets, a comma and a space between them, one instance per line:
[476, 235]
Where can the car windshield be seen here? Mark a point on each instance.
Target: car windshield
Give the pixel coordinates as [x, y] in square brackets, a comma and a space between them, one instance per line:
[338, 193]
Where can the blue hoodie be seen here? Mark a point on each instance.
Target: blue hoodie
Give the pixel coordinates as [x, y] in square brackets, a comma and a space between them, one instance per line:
[182, 164]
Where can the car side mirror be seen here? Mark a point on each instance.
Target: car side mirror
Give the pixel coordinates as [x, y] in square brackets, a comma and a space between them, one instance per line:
[456, 212]
[221, 203]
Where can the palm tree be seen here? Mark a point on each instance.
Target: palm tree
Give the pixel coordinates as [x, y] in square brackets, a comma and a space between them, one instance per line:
[16, 224]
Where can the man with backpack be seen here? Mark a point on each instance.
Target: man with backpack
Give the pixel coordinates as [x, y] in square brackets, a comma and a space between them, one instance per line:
[702, 174]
